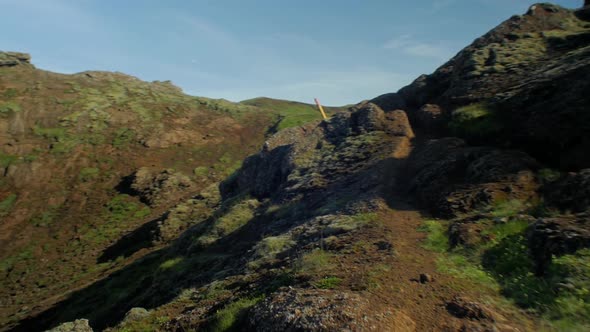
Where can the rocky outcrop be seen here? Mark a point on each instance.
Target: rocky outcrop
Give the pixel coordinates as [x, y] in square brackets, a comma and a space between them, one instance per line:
[461, 307]
[155, 186]
[449, 177]
[324, 310]
[10, 59]
[515, 70]
[557, 236]
[79, 325]
[313, 156]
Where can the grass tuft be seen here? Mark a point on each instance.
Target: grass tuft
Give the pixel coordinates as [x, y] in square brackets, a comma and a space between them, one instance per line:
[228, 318]
[436, 239]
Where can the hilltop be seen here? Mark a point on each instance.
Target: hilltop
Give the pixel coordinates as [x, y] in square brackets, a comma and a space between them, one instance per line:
[458, 203]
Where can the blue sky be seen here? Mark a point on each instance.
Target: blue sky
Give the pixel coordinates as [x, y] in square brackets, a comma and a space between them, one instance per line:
[341, 51]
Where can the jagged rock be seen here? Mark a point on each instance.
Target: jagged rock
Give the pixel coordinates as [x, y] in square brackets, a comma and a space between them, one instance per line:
[370, 117]
[9, 59]
[514, 69]
[135, 314]
[311, 156]
[324, 310]
[426, 278]
[466, 234]
[557, 236]
[461, 307]
[79, 325]
[154, 186]
[571, 192]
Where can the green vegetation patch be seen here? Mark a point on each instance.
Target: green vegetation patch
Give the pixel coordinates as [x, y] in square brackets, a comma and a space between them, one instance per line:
[201, 171]
[273, 245]
[45, 218]
[7, 204]
[503, 263]
[507, 208]
[315, 262]
[229, 318]
[10, 93]
[475, 121]
[437, 239]
[171, 263]
[236, 216]
[7, 159]
[344, 224]
[9, 107]
[88, 173]
[123, 137]
[123, 207]
[328, 283]
[118, 213]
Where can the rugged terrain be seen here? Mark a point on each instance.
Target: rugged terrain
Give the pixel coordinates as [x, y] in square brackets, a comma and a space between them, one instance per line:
[459, 203]
[88, 158]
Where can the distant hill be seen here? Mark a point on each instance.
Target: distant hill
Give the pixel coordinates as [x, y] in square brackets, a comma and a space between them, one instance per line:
[291, 113]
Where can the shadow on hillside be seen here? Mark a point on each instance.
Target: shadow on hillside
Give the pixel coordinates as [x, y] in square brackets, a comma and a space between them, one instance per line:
[142, 237]
[149, 282]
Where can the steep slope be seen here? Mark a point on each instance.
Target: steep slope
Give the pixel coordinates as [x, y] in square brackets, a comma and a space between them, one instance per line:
[329, 227]
[91, 162]
[521, 78]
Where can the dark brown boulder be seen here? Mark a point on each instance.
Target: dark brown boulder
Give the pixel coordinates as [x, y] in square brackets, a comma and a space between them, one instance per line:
[462, 307]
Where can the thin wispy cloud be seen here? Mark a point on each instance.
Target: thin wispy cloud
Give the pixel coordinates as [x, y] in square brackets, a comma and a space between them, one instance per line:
[410, 46]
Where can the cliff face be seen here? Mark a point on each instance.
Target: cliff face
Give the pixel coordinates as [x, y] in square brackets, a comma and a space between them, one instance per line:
[528, 78]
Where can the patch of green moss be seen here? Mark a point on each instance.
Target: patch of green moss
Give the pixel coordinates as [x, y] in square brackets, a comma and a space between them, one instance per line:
[232, 219]
[230, 317]
[7, 204]
[7, 159]
[118, 213]
[54, 134]
[123, 137]
[171, 263]
[201, 171]
[437, 239]
[45, 218]
[88, 173]
[9, 107]
[10, 93]
[475, 121]
[315, 262]
[504, 264]
[328, 283]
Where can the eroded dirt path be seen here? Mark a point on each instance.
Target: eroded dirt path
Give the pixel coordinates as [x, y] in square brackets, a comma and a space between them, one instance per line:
[399, 285]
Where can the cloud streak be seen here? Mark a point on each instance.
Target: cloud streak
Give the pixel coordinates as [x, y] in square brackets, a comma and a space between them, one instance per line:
[410, 46]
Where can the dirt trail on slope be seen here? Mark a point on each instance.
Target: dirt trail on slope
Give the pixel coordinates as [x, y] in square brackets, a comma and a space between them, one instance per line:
[425, 303]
